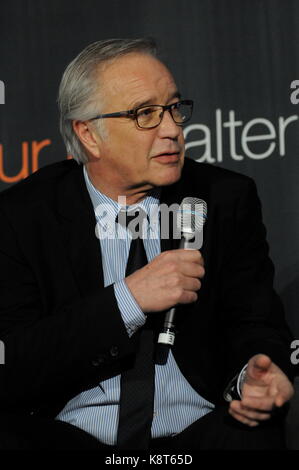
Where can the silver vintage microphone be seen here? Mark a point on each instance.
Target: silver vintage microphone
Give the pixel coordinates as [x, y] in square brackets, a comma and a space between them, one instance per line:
[191, 217]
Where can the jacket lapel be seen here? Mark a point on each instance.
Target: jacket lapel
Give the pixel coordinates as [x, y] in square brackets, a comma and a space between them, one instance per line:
[77, 223]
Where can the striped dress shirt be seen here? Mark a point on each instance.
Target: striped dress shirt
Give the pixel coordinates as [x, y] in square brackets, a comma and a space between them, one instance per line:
[176, 403]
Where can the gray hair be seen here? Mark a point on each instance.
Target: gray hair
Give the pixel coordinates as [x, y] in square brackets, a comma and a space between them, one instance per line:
[78, 86]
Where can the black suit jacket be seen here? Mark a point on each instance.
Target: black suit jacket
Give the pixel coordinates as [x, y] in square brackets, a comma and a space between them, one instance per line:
[63, 331]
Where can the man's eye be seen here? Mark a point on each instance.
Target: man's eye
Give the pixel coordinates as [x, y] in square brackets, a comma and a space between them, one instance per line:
[176, 105]
[145, 111]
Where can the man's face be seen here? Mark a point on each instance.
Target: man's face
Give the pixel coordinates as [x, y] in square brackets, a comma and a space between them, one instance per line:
[132, 158]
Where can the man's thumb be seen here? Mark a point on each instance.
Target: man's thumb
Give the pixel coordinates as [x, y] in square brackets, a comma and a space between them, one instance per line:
[258, 366]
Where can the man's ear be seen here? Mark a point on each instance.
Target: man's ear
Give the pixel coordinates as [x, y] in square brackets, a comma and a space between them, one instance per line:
[88, 137]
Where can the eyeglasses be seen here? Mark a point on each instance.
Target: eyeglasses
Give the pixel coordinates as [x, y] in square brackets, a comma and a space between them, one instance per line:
[148, 117]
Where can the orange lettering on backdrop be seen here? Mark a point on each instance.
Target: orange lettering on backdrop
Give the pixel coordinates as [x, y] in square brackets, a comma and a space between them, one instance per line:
[24, 172]
[36, 148]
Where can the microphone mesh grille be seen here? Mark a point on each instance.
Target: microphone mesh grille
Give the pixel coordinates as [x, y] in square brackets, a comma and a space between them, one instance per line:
[192, 214]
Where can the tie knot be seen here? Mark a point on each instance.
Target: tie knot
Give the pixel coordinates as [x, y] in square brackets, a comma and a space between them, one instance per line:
[132, 220]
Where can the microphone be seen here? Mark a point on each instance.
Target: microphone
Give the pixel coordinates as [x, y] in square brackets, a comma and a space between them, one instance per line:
[191, 217]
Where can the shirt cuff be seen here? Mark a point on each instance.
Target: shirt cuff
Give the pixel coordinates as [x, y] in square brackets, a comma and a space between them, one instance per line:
[234, 389]
[241, 380]
[132, 315]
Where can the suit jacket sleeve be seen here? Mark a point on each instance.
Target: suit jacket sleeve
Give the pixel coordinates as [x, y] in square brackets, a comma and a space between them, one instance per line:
[253, 315]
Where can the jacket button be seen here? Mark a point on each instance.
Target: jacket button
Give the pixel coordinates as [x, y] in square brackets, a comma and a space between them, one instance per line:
[98, 361]
[114, 351]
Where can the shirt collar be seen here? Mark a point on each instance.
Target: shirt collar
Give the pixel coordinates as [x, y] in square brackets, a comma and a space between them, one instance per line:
[150, 204]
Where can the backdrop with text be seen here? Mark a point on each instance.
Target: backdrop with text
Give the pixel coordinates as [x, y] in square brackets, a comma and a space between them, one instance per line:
[237, 59]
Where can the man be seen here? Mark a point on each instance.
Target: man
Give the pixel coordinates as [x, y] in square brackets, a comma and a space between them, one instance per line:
[72, 319]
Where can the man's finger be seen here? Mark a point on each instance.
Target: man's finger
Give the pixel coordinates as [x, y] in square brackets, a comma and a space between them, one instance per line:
[280, 400]
[242, 419]
[249, 413]
[265, 404]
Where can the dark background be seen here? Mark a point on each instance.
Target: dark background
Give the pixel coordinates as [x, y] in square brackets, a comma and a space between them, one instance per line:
[228, 55]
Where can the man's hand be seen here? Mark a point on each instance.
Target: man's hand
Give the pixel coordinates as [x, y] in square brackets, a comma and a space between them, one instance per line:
[172, 278]
[265, 388]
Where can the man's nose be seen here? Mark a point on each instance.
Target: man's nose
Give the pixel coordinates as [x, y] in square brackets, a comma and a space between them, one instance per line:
[168, 128]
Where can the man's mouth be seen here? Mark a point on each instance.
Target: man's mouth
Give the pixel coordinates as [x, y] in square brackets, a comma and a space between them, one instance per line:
[167, 157]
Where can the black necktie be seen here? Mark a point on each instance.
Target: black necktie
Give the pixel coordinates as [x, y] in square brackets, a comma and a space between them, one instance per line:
[137, 383]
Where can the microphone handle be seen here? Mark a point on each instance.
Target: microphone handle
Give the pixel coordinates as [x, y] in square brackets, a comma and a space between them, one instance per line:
[167, 335]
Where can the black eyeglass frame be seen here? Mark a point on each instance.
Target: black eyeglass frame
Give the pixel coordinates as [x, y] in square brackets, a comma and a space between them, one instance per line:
[132, 113]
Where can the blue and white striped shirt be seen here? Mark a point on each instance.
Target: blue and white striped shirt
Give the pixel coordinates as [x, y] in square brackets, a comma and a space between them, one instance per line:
[176, 403]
